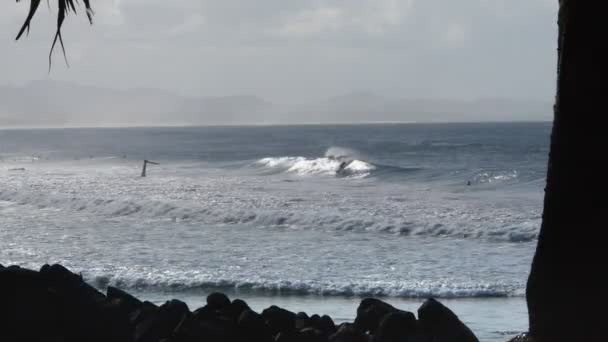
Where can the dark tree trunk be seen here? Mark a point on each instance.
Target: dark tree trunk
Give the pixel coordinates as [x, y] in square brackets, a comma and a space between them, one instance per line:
[567, 287]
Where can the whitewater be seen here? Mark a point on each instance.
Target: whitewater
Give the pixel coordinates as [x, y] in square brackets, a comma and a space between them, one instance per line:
[322, 214]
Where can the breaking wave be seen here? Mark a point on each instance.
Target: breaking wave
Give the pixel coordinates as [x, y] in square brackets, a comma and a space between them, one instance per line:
[192, 281]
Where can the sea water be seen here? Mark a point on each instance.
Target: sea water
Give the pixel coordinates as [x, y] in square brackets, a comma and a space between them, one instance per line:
[309, 217]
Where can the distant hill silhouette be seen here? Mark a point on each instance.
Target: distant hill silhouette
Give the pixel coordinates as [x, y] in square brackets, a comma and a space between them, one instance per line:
[50, 103]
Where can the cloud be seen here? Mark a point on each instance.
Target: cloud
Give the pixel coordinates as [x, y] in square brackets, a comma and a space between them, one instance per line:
[298, 50]
[191, 24]
[370, 17]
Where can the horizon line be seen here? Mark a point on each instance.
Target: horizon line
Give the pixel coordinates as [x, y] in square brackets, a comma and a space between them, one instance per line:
[295, 124]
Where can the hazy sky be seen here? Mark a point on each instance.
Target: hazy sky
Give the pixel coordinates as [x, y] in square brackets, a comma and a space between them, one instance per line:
[297, 50]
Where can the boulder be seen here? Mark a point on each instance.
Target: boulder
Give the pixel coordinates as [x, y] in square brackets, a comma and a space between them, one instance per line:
[191, 329]
[327, 325]
[440, 324]
[235, 309]
[84, 312]
[348, 333]
[146, 310]
[396, 327]
[312, 335]
[279, 320]
[252, 327]
[302, 320]
[56, 305]
[324, 324]
[525, 337]
[370, 312]
[125, 301]
[217, 301]
[27, 312]
[161, 323]
[68, 284]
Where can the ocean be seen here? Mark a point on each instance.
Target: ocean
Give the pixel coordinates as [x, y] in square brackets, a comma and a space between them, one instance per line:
[308, 217]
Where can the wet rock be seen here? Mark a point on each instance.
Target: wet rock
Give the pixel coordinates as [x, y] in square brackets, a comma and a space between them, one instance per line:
[125, 301]
[235, 309]
[327, 325]
[217, 301]
[370, 312]
[302, 320]
[348, 333]
[396, 327]
[252, 327]
[279, 320]
[525, 337]
[27, 311]
[84, 312]
[292, 336]
[69, 284]
[302, 315]
[324, 324]
[162, 322]
[146, 310]
[440, 324]
[312, 335]
[192, 329]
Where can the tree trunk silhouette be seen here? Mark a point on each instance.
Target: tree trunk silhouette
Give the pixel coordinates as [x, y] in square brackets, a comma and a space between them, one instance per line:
[566, 290]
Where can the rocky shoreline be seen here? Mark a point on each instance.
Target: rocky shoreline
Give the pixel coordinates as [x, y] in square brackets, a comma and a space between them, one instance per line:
[54, 304]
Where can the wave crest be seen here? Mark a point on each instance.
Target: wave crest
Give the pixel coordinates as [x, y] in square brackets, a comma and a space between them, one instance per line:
[329, 165]
[188, 281]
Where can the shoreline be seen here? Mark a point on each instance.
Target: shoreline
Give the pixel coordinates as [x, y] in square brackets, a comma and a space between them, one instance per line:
[492, 319]
[62, 306]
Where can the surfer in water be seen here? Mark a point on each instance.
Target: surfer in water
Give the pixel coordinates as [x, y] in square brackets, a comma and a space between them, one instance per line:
[342, 168]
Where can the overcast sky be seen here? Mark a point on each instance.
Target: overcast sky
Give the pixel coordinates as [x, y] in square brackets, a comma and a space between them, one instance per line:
[297, 50]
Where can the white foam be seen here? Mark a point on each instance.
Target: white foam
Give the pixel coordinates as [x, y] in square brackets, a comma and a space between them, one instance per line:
[318, 166]
[281, 162]
[192, 280]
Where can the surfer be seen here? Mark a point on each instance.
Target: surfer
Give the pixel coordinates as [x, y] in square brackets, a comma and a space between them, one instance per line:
[146, 162]
[342, 168]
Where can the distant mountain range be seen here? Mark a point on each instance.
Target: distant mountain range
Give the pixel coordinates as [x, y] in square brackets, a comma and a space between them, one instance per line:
[49, 103]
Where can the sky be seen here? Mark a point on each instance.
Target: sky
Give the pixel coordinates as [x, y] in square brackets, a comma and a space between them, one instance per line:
[294, 51]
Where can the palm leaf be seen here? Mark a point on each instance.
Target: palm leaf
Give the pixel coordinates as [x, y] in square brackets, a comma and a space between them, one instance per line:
[64, 7]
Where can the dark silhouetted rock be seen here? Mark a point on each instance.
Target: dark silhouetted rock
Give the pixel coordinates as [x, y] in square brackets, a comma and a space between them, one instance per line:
[279, 320]
[217, 301]
[324, 324]
[396, 327]
[327, 325]
[442, 325]
[124, 300]
[162, 322]
[84, 311]
[55, 304]
[292, 336]
[235, 309]
[348, 333]
[191, 329]
[27, 312]
[302, 320]
[69, 284]
[146, 310]
[370, 312]
[312, 335]
[522, 338]
[252, 327]
[302, 315]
